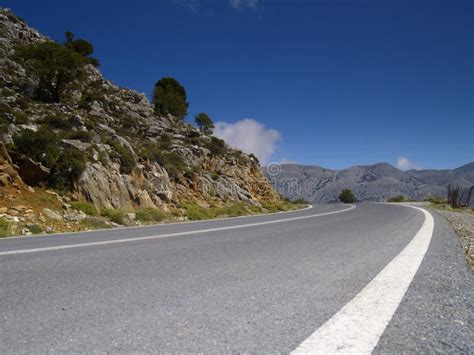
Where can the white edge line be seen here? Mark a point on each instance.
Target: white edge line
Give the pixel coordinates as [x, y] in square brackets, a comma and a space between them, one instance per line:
[156, 224]
[358, 326]
[199, 231]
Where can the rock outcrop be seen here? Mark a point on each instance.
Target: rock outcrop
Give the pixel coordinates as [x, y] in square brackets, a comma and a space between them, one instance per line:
[8, 172]
[134, 157]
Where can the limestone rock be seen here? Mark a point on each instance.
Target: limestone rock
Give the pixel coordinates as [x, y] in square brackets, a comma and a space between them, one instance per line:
[76, 144]
[52, 214]
[8, 172]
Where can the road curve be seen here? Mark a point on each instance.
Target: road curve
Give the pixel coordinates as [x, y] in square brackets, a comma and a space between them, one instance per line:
[253, 284]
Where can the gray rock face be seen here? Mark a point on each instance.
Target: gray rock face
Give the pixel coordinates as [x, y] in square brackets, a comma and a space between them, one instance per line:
[120, 135]
[376, 182]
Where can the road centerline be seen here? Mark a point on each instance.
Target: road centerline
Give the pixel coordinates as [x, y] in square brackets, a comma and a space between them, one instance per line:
[358, 326]
[168, 235]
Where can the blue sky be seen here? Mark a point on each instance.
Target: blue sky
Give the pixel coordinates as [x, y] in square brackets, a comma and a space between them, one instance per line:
[326, 82]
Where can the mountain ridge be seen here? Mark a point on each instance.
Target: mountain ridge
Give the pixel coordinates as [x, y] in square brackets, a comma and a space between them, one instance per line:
[373, 182]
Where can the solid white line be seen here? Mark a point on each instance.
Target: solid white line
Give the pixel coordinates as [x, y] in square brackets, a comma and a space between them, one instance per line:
[358, 326]
[199, 231]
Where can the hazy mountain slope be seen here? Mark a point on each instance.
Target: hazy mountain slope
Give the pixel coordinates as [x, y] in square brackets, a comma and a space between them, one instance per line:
[375, 182]
[462, 176]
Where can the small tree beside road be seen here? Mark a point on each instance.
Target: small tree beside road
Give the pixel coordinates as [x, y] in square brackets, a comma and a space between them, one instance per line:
[347, 196]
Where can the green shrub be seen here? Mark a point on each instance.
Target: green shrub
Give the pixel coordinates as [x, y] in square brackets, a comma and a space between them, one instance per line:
[41, 146]
[234, 210]
[216, 146]
[436, 200]
[20, 117]
[170, 160]
[300, 201]
[150, 214]
[35, 229]
[93, 223]
[255, 208]
[277, 206]
[347, 196]
[215, 175]
[398, 198]
[130, 122]
[55, 66]
[68, 168]
[23, 102]
[169, 97]
[204, 122]
[5, 227]
[56, 122]
[82, 47]
[194, 212]
[115, 215]
[86, 207]
[83, 136]
[6, 113]
[165, 142]
[127, 160]
[173, 163]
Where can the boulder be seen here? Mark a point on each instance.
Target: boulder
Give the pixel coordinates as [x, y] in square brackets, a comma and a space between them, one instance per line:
[8, 172]
[74, 217]
[76, 144]
[104, 187]
[52, 214]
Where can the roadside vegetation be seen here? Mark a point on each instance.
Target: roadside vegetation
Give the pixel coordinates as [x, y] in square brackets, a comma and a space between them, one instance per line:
[5, 227]
[347, 196]
[398, 198]
[442, 204]
[75, 216]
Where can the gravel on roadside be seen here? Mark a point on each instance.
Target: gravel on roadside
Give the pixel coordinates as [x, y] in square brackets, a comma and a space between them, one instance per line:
[463, 225]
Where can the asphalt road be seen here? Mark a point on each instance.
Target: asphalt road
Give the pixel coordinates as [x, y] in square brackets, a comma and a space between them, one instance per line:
[253, 284]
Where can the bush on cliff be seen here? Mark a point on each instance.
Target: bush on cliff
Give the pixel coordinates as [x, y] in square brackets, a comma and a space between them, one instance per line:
[204, 122]
[126, 158]
[68, 168]
[66, 165]
[55, 66]
[169, 97]
[216, 146]
[82, 47]
[41, 146]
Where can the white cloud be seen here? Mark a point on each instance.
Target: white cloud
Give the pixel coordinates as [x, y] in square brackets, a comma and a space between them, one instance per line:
[406, 164]
[240, 4]
[250, 136]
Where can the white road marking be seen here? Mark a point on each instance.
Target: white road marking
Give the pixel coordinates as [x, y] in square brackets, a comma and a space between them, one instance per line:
[199, 231]
[358, 326]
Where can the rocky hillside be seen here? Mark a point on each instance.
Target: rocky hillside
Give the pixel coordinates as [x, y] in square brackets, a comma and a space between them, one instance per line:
[105, 144]
[376, 182]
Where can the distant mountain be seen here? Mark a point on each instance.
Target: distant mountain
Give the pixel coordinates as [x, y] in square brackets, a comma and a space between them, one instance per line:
[376, 182]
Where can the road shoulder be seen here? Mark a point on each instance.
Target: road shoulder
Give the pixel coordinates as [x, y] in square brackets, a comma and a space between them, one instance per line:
[437, 312]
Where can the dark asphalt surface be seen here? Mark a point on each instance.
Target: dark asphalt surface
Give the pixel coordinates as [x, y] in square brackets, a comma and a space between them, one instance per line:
[257, 289]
